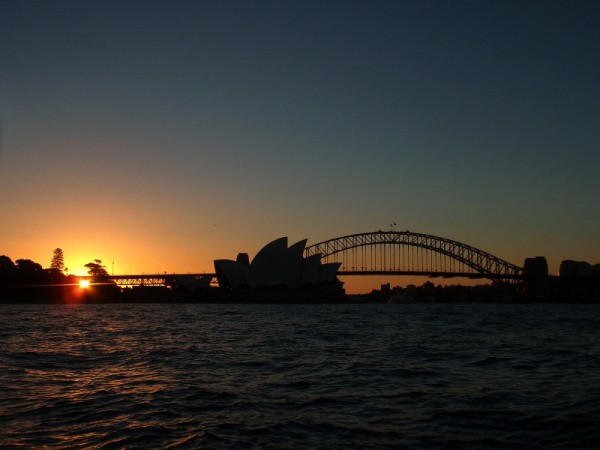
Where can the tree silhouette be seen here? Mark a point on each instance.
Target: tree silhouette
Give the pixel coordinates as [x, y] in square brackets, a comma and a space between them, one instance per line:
[28, 266]
[97, 270]
[7, 270]
[29, 272]
[58, 260]
[6, 263]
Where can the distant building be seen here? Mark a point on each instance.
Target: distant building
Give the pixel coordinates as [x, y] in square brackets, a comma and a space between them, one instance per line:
[579, 281]
[276, 265]
[576, 269]
[536, 275]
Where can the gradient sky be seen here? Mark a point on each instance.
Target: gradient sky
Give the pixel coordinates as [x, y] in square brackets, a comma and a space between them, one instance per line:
[162, 135]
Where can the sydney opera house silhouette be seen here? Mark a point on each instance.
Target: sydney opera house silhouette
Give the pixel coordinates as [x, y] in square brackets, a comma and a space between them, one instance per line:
[277, 266]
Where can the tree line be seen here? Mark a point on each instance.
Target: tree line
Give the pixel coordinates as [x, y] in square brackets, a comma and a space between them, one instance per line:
[28, 272]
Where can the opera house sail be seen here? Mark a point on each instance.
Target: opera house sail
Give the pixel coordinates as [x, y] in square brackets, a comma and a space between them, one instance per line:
[277, 266]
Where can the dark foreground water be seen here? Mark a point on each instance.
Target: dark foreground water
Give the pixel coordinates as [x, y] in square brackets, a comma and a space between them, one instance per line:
[300, 376]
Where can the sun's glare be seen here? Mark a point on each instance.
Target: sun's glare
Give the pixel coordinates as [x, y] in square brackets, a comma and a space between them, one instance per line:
[84, 284]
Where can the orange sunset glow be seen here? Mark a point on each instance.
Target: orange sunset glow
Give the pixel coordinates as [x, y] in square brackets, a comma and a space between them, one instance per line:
[111, 156]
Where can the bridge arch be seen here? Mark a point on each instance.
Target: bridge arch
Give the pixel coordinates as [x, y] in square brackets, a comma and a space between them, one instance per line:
[408, 253]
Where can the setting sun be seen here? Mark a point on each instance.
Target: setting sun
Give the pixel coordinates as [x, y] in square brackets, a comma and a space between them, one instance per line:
[84, 284]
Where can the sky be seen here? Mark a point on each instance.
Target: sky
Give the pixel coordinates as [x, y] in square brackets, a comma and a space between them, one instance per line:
[161, 135]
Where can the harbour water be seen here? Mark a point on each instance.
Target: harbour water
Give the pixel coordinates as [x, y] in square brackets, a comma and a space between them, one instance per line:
[300, 376]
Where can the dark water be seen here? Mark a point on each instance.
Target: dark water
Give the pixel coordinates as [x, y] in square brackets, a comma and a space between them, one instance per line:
[300, 376]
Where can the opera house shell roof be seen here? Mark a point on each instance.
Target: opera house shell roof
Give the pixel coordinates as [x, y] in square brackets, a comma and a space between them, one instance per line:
[276, 264]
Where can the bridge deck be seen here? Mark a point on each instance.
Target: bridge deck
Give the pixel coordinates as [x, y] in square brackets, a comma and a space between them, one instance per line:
[164, 279]
[170, 279]
[437, 274]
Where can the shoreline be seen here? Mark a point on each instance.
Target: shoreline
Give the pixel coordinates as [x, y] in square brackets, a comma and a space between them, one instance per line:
[579, 293]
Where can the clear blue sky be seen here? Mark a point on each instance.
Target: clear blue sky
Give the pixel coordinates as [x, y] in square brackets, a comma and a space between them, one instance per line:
[164, 134]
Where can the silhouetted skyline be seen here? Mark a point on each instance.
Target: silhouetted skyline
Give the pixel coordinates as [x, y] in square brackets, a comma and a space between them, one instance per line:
[164, 135]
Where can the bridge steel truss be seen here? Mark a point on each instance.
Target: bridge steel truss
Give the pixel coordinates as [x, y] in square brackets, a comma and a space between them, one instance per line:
[406, 253]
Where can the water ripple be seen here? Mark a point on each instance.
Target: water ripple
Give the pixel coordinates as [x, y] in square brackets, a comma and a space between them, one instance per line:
[318, 376]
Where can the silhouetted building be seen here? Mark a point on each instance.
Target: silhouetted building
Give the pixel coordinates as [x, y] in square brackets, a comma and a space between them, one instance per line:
[579, 281]
[575, 269]
[276, 265]
[536, 277]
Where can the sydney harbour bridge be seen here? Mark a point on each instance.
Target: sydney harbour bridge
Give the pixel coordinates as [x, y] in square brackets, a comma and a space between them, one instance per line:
[406, 253]
[383, 253]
